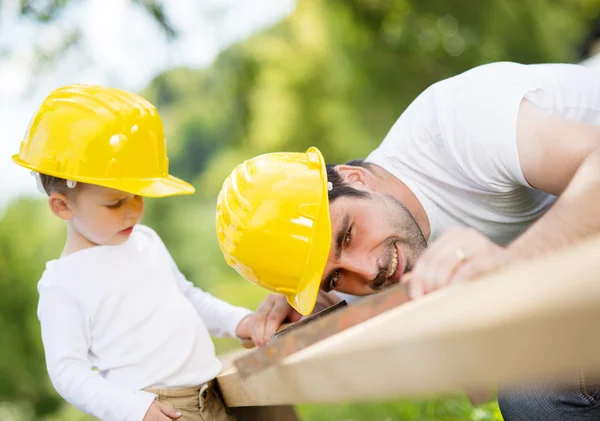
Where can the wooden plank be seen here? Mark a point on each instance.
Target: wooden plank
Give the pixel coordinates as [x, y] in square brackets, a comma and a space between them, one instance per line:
[320, 329]
[254, 413]
[533, 320]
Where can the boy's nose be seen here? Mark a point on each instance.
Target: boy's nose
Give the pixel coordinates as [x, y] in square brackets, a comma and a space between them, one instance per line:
[135, 207]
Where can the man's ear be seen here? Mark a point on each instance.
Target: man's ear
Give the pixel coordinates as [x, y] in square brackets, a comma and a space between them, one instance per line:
[60, 206]
[357, 176]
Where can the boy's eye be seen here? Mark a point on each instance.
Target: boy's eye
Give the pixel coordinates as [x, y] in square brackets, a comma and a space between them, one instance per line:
[115, 205]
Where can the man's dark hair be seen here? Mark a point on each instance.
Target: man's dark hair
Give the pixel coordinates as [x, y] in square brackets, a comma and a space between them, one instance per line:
[341, 188]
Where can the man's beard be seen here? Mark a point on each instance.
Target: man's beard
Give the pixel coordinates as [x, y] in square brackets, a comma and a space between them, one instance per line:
[380, 279]
[407, 232]
[406, 226]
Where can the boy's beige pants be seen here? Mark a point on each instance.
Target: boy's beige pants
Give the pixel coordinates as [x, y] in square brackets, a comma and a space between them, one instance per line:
[199, 403]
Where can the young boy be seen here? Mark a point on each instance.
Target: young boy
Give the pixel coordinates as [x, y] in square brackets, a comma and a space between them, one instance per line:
[126, 336]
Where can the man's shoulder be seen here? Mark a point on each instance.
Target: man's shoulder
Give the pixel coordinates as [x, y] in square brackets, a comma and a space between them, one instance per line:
[495, 70]
[485, 80]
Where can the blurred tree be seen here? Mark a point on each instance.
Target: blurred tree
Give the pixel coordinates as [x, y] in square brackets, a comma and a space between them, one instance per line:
[48, 12]
[337, 74]
[29, 236]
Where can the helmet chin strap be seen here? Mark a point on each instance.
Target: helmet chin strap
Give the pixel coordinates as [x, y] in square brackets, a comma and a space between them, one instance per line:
[38, 181]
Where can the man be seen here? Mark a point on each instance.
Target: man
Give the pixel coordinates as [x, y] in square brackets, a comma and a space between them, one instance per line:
[493, 166]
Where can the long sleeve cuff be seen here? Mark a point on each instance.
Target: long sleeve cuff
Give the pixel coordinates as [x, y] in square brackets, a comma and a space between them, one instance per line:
[141, 404]
[239, 313]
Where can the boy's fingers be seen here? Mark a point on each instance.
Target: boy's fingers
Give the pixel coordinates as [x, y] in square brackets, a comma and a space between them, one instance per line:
[263, 313]
[279, 312]
[256, 335]
[168, 410]
[265, 307]
[258, 331]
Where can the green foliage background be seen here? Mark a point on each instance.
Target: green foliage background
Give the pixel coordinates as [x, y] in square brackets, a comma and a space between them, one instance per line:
[336, 74]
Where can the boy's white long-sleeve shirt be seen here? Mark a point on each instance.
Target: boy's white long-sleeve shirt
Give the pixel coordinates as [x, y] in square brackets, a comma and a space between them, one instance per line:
[118, 319]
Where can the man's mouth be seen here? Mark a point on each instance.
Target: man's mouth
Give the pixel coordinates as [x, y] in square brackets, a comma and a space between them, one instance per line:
[393, 274]
[396, 267]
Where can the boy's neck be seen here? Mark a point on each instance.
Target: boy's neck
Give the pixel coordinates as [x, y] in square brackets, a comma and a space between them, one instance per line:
[75, 242]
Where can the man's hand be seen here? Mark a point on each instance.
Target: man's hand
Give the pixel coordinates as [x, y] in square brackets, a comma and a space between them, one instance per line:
[260, 325]
[459, 254]
[159, 411]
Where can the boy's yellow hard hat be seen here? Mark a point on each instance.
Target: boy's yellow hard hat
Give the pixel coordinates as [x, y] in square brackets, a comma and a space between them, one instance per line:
[273, 223]
[102, 136]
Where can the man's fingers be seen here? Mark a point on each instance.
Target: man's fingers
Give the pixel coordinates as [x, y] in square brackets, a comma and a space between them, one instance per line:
[406, 278]
[452, 259]
[293, 315]
[415, 288]
[168, 410]
[327, 299]
[421, 278]
[471, 269]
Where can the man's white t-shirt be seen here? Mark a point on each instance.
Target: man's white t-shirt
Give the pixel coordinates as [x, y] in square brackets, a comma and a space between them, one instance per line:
[455, 146]
[128, 312]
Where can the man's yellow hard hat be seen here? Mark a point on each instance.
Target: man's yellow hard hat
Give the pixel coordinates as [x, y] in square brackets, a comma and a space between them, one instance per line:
[102, 136]
[273, 223]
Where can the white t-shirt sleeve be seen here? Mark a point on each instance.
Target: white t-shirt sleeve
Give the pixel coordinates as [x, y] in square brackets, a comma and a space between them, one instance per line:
[220, 317]
[66, 339]
[478, 123]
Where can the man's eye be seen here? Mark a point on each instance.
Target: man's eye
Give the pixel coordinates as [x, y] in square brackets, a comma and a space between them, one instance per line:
[348, 237]
[334, 280]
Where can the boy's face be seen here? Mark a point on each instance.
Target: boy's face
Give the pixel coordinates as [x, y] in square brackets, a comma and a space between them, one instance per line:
[104, 216]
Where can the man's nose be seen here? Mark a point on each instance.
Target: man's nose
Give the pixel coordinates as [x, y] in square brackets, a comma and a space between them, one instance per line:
[362, 266]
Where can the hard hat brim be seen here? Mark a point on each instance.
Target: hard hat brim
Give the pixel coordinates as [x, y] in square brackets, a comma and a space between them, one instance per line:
[304, 300]
[163, 187]
[155, 187]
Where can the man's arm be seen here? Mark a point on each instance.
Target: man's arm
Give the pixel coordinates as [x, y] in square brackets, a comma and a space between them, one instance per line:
[560, 157]
[556, 155]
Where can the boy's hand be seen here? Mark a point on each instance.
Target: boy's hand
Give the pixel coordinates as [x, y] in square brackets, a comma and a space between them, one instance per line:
[260, 325]
[159, 411]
